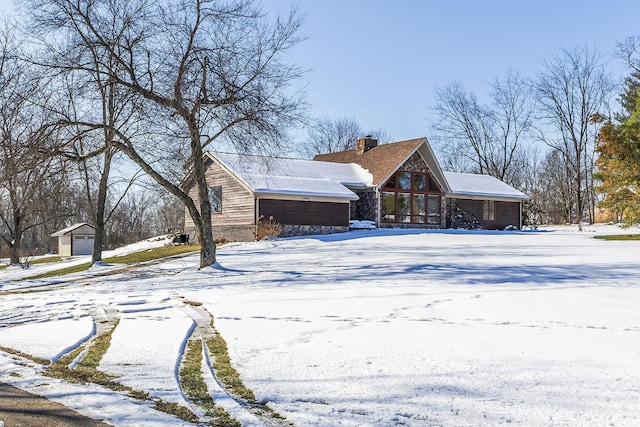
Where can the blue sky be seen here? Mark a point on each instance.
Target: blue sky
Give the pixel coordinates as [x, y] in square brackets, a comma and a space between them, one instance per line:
[380, 62]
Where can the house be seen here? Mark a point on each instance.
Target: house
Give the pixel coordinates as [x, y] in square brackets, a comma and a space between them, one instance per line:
[304, 196]
[392, 185]
[76, 240]
[410, 189]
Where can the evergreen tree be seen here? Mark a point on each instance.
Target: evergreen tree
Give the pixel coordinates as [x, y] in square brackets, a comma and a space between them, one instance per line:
[619, 161]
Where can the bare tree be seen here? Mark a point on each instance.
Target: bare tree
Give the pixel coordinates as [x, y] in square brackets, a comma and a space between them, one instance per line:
[489, 138]
[92, 108]
[571, 89]
[26, 176]
[629, 51]
[556, 189]
[212, 71]
[330, 136]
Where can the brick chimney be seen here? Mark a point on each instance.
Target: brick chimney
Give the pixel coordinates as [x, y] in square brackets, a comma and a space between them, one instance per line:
[365, 144]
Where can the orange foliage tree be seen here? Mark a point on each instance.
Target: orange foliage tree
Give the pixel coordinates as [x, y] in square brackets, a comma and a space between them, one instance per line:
[619, 157]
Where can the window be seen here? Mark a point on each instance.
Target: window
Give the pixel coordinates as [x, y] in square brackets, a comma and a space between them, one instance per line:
[433, 187]
[404, 180]
[215, 199]
[391, 183]
[404, 207]
[434, 209]
[388, 206]
[419, 181]
[411, 197]
[489, 210]
[418, 210]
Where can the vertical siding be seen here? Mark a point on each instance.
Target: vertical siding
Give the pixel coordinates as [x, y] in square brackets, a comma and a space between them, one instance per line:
[291, 212]
[506, 213]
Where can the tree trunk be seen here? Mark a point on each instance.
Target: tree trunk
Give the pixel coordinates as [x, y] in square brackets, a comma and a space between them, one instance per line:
[14, 247]
[98, 243]
[208, 245]
[579, 202]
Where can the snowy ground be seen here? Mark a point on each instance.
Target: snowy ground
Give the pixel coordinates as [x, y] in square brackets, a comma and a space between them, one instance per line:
[368, 328]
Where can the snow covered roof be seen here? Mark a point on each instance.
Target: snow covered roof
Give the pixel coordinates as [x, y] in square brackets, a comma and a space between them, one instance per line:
[280, 176]
[469, 184]
[70, 229]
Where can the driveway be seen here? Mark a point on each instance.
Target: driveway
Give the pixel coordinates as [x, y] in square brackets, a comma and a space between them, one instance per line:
[21, 409]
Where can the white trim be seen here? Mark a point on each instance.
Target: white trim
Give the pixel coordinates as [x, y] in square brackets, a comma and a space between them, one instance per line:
[478, 196]
[304, 197]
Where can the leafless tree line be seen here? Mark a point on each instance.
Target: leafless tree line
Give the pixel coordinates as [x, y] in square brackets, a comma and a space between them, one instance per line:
[119, 93]
[537, 134]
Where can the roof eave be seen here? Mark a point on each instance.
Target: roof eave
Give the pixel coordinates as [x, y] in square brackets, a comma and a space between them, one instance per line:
[305, 196]
[486, 196]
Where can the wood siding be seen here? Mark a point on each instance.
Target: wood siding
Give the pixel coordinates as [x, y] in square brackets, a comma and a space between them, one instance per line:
[238, 203]
[293, 212]
[506, 213]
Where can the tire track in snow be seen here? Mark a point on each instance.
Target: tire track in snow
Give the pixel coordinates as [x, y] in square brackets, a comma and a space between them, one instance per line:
[238, 409]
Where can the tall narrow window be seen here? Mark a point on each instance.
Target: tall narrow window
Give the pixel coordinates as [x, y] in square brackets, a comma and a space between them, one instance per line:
[418, 209]
[489, 210]
[434, 209]
[388, 206]
[215, 199]
[404, 207]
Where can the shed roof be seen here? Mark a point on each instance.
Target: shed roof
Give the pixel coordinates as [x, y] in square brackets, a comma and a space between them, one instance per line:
[70, 229]
[282, 176]
[469, 185]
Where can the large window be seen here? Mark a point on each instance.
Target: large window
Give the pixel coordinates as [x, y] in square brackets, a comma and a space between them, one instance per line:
[411, 197]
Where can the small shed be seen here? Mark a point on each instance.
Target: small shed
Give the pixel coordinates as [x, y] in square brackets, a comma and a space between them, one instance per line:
[76, 240]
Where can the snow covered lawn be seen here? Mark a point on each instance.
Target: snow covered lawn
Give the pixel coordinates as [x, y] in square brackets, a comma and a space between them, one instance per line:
[377, 327]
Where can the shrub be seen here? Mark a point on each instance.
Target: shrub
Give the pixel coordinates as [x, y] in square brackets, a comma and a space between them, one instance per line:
[465, 220]
[267, 229]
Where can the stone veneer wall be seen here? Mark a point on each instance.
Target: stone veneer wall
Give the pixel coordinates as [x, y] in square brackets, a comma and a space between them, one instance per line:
[305, 230]
[366, 207]
[415, 164]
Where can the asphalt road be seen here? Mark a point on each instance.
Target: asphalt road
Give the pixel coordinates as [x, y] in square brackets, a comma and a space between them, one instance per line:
[21, 409]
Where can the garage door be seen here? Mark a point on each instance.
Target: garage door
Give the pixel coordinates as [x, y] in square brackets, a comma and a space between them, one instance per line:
[82, 245]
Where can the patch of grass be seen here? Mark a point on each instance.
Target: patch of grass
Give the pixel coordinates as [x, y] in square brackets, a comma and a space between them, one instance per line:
[619, 237]
[24, 355]
[61, 272]
[132, 258]
[86, 372]
[179, 411]
[151, 254]
[44, 260]
[196, 389]
[227, 374]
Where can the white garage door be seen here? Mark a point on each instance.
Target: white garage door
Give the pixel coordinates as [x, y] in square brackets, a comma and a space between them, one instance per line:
[82, 245]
